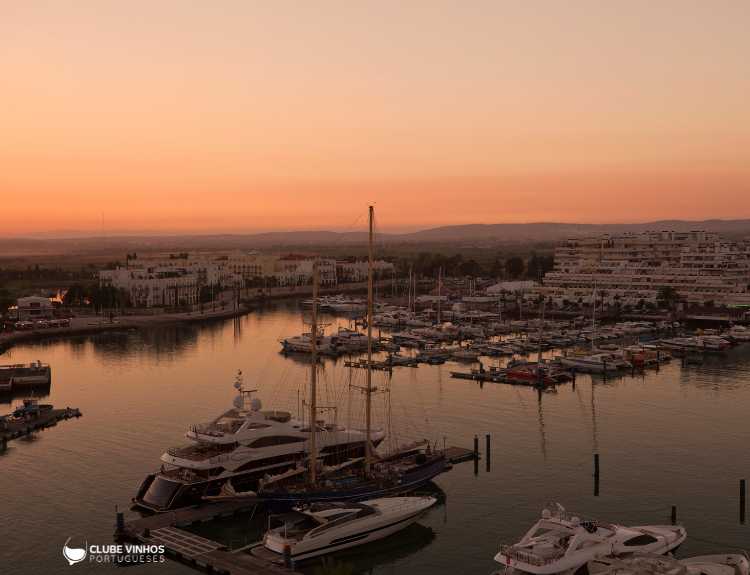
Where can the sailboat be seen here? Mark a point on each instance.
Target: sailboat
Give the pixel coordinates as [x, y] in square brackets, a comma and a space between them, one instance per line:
[366, 478]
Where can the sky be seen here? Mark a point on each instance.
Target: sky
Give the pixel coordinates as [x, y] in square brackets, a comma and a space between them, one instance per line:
[237, 116]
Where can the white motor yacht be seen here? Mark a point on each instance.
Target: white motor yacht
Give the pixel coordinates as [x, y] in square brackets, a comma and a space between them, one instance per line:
[594, 363]
[561, 542]
[649, 564]
[242, 446]
[323, 528]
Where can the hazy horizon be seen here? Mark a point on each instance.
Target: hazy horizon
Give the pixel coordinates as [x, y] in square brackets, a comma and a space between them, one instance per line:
[171, 118]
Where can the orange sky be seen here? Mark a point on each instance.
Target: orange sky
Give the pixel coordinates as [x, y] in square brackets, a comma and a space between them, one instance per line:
[246, 115]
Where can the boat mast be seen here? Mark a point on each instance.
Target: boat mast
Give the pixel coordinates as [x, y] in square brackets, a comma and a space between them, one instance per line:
[540, 375]
[314, 376]
[368, 391]
[440, 285]
[593, 321]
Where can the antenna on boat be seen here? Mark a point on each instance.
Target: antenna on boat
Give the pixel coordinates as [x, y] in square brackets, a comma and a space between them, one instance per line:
[314, 376]
[368, 404]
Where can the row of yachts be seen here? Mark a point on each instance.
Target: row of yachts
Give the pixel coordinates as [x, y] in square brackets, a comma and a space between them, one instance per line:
[558, 543]
[251, 452]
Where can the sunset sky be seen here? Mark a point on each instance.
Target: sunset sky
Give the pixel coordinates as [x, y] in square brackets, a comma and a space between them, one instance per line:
[190, 116]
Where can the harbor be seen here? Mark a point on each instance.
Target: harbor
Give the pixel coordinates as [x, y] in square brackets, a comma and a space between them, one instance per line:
[542, 444]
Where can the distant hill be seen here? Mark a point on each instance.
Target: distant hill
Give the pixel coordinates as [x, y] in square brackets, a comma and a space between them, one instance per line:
[42, 245]
[552, 231]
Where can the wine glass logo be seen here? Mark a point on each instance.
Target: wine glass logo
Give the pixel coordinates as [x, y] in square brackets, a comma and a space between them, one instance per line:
[73, 554]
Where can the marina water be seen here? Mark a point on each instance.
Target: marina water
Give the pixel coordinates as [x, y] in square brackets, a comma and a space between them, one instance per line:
[679, 436]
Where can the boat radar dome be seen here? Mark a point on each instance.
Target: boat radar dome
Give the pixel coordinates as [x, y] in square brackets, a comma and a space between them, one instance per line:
[546, 514]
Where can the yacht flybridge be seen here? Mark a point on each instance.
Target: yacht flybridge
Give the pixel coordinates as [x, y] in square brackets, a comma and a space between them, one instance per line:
[241, 446]
[561, 542]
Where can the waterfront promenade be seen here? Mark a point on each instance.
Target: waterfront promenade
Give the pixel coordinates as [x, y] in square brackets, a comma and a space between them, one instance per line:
[225, 308]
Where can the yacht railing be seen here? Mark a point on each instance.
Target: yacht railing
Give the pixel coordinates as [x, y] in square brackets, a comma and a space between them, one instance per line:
[205, 429]
[529, 557]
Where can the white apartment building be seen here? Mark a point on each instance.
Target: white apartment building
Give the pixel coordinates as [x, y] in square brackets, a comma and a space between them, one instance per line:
[627, 268]
[155, 287]
[357, 271]
[298, 270]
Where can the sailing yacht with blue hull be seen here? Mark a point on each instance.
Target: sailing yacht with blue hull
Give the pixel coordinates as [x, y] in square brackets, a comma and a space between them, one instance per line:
[368, 478]
[400, 474]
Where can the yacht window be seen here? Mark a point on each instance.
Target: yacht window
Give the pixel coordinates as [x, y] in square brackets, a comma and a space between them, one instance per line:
[333, 521]
[640, 540]
[276, 440]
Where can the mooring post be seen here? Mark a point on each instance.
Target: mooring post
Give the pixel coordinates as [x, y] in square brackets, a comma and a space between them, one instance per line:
[596, 465]
[146, 532]
[287, 556]
[743, 504]
[674, 515]
[476, 455]
[119, 521]
[487, 450]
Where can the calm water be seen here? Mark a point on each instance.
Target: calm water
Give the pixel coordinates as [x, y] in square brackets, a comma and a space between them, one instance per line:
[680, 436]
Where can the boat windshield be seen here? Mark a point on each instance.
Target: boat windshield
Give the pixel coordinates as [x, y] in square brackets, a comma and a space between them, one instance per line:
[160, 492]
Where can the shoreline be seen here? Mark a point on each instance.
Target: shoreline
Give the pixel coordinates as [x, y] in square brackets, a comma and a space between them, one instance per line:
[98, 324]
[88, 325]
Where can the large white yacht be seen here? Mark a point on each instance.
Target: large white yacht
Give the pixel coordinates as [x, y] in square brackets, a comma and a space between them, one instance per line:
[241, 446]
[560, 543]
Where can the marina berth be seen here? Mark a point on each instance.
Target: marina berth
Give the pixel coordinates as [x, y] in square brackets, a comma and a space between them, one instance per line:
[24, 374]
[560, 542]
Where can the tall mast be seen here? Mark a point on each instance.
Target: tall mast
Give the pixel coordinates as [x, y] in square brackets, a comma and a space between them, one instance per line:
[368, 409]
[440, 285]
[593, 321]
[314, 377]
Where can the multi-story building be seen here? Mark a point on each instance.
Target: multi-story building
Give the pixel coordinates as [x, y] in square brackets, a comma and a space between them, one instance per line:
[155, 287]
[700, 266]
[294, 270]
[357, 271]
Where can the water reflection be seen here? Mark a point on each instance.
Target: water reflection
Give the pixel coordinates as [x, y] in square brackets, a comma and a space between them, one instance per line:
[676, 437]
[35, 391]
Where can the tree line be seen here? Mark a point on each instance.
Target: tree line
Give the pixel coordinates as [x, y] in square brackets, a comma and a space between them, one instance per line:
[511, 267]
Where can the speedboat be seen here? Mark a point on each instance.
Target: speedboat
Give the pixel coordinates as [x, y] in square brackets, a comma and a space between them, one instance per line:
[242, 446]
[322, 528]
[648, 564]
[561, 542]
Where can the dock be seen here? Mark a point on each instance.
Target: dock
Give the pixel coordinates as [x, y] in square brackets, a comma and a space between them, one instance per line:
[213, 556]
[459, 454]
[194, 550]
[12, 428]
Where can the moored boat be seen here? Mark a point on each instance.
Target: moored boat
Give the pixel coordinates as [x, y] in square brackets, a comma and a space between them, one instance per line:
[322, 528]
[560, 542]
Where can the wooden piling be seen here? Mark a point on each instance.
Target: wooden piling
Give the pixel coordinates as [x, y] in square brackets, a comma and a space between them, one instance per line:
[674, 515]
[743, 503]
[596, 465]
[476, 455]
[487, 450]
